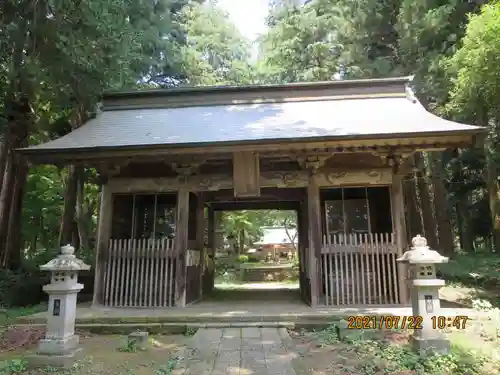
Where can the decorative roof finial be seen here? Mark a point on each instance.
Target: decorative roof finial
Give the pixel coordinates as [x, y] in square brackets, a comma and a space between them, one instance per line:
[418, 241]
[67, 250]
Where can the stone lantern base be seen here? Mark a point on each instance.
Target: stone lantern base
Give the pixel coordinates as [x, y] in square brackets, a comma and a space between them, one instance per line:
[436, 345]
[61, 353]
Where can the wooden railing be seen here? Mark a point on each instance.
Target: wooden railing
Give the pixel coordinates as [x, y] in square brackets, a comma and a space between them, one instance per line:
[359, 269]
[193, 275]
[139, 273]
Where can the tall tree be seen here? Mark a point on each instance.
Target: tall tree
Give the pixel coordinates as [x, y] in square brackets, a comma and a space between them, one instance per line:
[215, 52]
[475, 93]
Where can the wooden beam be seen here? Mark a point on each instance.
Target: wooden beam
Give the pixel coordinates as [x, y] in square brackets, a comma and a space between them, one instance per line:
[246, 174]
[103, 235]
[181, 243]
[238, 206]
[324, 178]
[267, 195]
[424, 142]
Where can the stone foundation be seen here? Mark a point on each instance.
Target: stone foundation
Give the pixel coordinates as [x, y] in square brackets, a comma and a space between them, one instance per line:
[268, 274]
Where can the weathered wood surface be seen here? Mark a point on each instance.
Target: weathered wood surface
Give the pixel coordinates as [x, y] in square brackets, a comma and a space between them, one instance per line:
[360, 269]
[246, 174]
[139, 273]
[397, 145]
[324, 178]
[200, 236]
[103, 235]
[181, 243]
[314, 225]
[399, 227]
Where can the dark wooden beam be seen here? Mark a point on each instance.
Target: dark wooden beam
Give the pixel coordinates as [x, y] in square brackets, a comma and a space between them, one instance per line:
[239, 206]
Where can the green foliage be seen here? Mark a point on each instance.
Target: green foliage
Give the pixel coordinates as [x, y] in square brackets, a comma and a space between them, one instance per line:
[476, 87]
[190, 331]
[13, 366]
[215, 52]
[223, 267]
[473, 269]
[253, 259]
[373, 356]
[22, 287]
[300, 46]
[243, 258]
[168, 369]
[129, 346]
[250, 222]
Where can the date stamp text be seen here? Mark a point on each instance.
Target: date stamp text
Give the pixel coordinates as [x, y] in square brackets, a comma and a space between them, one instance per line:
[404, 322]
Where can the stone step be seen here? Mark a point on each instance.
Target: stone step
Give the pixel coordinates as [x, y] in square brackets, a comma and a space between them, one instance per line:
[166, 328]
[209, 319]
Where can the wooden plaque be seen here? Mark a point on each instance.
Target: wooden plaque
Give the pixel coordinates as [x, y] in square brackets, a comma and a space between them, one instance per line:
[246, 174]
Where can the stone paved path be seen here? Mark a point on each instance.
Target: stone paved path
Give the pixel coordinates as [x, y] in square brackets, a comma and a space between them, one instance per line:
[238, 351]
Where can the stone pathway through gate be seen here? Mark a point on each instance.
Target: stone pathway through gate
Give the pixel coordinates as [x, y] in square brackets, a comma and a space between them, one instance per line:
[238, 351]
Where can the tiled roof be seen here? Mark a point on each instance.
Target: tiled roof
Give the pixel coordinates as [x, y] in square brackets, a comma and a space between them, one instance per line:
[255, 122]
[277, 236]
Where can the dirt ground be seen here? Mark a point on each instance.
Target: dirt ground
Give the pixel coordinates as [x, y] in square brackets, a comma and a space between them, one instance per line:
[318, 356]
[109, 355]
[373, 353]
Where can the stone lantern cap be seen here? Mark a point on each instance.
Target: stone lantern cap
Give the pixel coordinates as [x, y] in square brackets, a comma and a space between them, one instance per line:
[66, 261]
[420, 253]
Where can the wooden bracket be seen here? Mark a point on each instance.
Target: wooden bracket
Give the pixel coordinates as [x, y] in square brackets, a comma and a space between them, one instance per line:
[394, 158]
[186, 169]
[112, 167]
[312, 162]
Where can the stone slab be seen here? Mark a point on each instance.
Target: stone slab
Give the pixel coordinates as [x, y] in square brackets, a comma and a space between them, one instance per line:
[232, 351]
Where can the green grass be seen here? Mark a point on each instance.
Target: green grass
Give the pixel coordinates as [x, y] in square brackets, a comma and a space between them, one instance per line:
[9, 315]
[367, 354]
[476, 269]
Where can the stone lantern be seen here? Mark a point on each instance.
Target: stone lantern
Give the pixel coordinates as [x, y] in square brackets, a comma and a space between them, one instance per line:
[425, 303]
[60, 344]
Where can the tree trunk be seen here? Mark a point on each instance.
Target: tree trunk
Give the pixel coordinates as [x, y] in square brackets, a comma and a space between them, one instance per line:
[5, 205]
[466, 238]
[425, 203]
[13, 253]
[445, 229]
[68, 215]
[241, 242]
[413, 217]
[19, 121]
[81, 217]
[493, 193]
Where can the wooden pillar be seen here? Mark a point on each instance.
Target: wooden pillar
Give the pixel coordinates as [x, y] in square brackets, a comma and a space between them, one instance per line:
[210, 273]
[303, 225]
[314, 224]
[181, 243]
[200, 235]
[399, 228]
[103, 235]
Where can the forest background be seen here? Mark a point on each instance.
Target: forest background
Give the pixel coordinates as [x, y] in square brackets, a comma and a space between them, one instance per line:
[57, 58]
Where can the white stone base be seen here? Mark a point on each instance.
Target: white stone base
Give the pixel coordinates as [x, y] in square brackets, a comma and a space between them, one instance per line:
[65, 361]
[434, 345]
[56, 347]
[55, 352]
